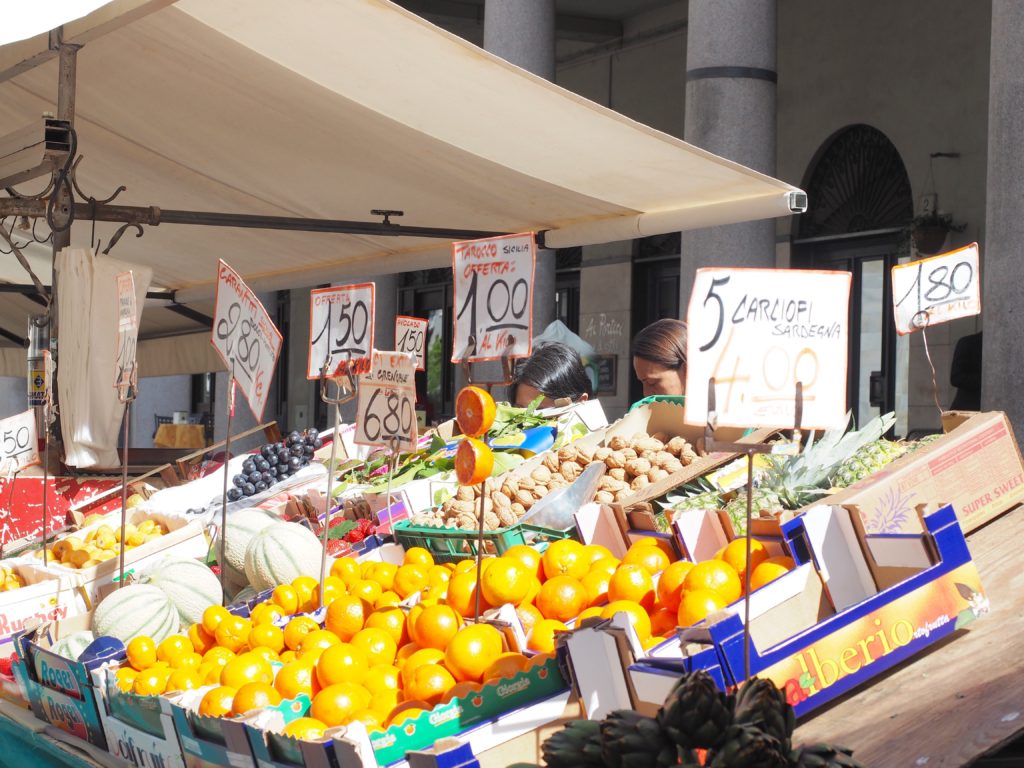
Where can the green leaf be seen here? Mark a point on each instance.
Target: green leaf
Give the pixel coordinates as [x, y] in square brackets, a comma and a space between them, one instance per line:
[338, 531]
[436, 444]
[965, 617]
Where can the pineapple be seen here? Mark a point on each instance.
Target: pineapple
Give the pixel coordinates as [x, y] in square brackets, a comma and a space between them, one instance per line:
[698, 495]
[866, 461]
[766, 503]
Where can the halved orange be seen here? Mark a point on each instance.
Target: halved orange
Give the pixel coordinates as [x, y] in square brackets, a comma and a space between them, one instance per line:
[474, 462]
[474, 411]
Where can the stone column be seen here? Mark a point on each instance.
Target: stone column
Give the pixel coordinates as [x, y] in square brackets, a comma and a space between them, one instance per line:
[730, 110]
[523, 33]
[1004, 228]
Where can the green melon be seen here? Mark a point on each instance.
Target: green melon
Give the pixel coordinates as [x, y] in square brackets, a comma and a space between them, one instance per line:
[242, 526]
[71, 647]
[136, 610]
[190, 584]
[280, 553]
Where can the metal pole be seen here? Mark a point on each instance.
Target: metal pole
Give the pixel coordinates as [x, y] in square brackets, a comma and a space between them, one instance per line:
[330, 500]
[480, 550]
[222, 558]
[46, 477]
[746, 574]
[124, 490]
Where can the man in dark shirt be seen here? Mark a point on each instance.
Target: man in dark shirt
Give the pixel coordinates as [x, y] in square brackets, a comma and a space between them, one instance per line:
[965, 373]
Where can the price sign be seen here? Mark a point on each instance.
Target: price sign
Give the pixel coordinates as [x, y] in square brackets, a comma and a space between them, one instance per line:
[340, 329]
[493, 297]
[245, 337]
[126, 374]
[757, 332]
[18, 445]
[386, 408]
[411, 337]
[936, 290]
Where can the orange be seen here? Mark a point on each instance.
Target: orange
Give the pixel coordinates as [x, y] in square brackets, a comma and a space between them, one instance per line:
[663, 621]
[371, 719]
[287, 657]
[472, 651]
[233, 632]
[438, 576]
[266, 613]
[462, 594]
[593, 611]
[565, 558]
[141, 653]
[336, 704]
[201, 640]
[217, 701]
[436, 625]
[346, 616]
[474, 461]
[382, 679]
[528, 557]
[346, 569]
[405, 652]
[305, 729]
[254, 696]
[218, 655]
[531, 594]
[652, 559]
[632, 582]
[768, 571]
[265, 653]
[716, 576]
[295, 678]
[285, 596]
[735, 554]
[342, 663]
[383, 574]
[411, 579]
[418, 659]
[650, 541]
[152, 682]
[316, 642]
[267, 636]
[562, 598]
[429, 682]
[384, 703]
[506, 665]
[605, 565]
[542, 638]
[638, 616]
[174, 648]
[418, 556]
[474, 411]
[670, 584]
[333, 588]
[505, 581]
[367, 589]
[305, 589]
[190, 661]
[247, 668]
[596, 584]
[593, 553]
[697, 604]
[209, 673]
[528, 616]
[461, 691]
[387, 599]
[392, 620]
[407, 710]
[126, 678]
[378, 645]
[213, 616]
[464, 566]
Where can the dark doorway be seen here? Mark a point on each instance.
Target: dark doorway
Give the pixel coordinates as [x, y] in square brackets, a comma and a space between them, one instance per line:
[655, 288]
[429, 295]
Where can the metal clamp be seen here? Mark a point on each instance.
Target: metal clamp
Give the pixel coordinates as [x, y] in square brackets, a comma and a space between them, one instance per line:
[506, 365]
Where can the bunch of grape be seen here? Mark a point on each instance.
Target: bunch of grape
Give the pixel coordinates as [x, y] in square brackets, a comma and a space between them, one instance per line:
[273, 463]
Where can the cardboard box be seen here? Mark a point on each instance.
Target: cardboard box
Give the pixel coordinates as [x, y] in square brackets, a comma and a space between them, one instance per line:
[139, 729]
[208, 742]
[45, 597]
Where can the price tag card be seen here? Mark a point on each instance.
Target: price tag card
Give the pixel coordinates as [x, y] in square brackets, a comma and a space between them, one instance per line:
[757, 332]
[126, 374]
[936, 290]
[340, 329]
[493, 297]
[245, 337]
[386, 408]
[18, 445]
[411, 337]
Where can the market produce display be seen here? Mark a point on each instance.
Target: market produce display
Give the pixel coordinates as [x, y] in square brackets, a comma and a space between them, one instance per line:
[273, 463]
[101, 543]
[10, 579]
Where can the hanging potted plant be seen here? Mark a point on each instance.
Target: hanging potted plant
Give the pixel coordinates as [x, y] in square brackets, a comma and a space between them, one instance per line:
[930, 231]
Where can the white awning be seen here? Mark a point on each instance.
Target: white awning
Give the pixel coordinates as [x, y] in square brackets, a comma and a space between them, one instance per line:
[328, 110]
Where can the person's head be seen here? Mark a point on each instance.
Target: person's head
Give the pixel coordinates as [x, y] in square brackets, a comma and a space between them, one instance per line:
[659, 357]
[553, 371]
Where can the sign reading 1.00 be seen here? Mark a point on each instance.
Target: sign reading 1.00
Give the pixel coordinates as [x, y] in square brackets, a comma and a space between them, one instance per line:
[411, 337]
[936, 290]
[386, 408]
[757, 332]
[245, 337]
[493, 297]
[340, 329]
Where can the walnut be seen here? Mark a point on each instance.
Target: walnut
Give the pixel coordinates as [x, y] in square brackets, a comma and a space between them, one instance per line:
[639, 482]
[584, 454]
[518, 510]
[619, 473]
[611, 484]
[602, 454]
[540, 492]
[506, 516]
[570, 470]
[524, 497]
[557, 482]
[551, 461]
[491, 521]
[638, 436]
[649, 455]
[649, 444]
[688, 456]
[656, 474]
[510, 488]
[616, 459]
[500, 500]
[463, 507]
[468, 522]
[527, 483]
[630, 454]
[624, 495]
[660, 436]
[464, 494]
[676, 445]
[618, 443]
[541, 475]
[638, 467]
[673, 466]
[604, 497]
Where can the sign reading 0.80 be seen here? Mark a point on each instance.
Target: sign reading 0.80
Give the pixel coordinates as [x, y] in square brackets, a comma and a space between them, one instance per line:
[757, 332]
[411, 337]
[386, 408]
[340, 329]
[245, 337]
[493, 297]
[936, 290]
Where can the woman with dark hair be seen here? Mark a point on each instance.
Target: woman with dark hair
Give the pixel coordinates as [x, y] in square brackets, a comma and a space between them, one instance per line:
[659, 357]
[554, 372]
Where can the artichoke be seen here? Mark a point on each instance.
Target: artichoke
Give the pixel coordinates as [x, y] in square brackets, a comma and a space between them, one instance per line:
[630, 740]
[696, 714]
[747, 746]
[760, 703]
[578, 745]
[823, 756]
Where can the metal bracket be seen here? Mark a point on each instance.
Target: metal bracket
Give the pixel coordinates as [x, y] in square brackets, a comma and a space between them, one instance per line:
[711, 444]
[506, 365]
[344, 394]
[387, 214]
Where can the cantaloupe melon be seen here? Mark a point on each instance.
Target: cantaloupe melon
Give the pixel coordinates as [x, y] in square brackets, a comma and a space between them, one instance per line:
[71, 647]
[281, 553]
[190, 584]
[242, 526]
[135, 610]
[246, 593]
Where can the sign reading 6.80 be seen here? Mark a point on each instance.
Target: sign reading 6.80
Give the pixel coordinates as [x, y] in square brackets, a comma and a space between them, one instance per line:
[386, 408]
[493, 297]
[757, 332]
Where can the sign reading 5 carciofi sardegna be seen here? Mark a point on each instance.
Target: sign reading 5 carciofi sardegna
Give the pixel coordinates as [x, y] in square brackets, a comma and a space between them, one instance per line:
[757, 332]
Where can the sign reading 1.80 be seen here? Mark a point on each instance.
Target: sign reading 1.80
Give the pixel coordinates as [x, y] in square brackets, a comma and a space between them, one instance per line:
[757, 332]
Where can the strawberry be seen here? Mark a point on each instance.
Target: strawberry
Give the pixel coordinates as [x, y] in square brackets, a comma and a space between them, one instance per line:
[5, 665]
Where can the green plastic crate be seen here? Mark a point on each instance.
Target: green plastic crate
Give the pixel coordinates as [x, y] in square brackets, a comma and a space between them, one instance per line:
[449, 545]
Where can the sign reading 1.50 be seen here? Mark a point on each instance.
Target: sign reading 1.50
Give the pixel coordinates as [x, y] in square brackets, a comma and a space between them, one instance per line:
[411, 337]
[493, 297]
[936, 290]
[757, 333]
[340, 329]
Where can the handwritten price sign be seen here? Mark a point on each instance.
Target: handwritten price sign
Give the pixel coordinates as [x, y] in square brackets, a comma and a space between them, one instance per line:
[340, 329]
[757, 332]
[18, 445]
[936, 290]
[386, 408]
[126, 374]
[493, 297]
[245, 337]
[411, 337]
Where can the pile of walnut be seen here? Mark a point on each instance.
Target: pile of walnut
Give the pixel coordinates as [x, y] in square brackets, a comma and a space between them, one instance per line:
[632, 464]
